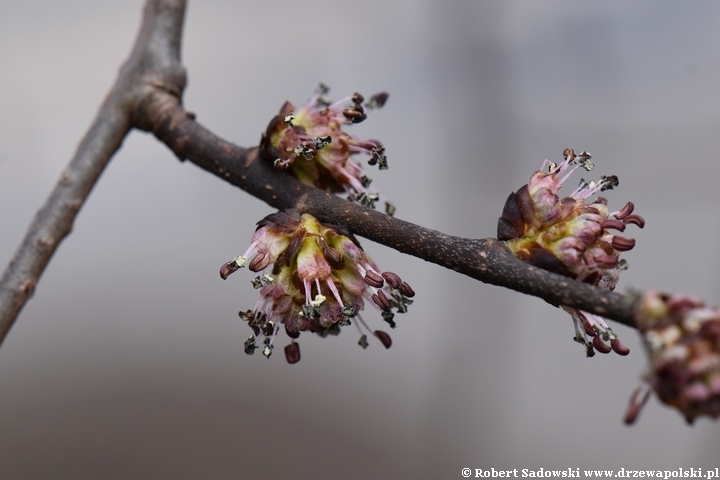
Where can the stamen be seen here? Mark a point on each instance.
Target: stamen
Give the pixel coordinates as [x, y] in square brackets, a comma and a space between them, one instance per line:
[393, 279]
[635, 219]
[384, 338]
[626, 210]
[619, 348]
[643, 391]
[336, 294]
[616, 224]
[622, 244]
[601, 346]
[292, 353]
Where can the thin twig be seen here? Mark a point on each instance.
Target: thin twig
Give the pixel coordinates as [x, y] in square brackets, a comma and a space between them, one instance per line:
[147, 95]
[154, 61]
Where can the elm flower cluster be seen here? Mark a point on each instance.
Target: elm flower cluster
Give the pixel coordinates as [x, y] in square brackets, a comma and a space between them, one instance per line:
[682, 340]
[311, 142]
[571, 237]
[313, 277]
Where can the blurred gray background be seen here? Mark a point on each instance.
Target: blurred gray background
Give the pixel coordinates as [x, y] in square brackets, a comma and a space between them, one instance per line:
[128, 362]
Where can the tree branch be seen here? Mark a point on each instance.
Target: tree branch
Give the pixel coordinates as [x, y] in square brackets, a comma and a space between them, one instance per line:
[154, 62]
[487, 260]
[147, 95]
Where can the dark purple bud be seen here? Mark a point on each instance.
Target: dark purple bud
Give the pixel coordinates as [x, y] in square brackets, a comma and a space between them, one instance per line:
[355, 116]
[381, 300]
[384, 338]
[227, 269]
[292, 353]
[606, 261]
[616, 224]
[622, 244]
[601, 346]
[260, 262]
[635, 219]
[512, 223]
[393, 279]
[619, 348]
[357, 98]
[626, 210]
[373, 279]
[407, 290]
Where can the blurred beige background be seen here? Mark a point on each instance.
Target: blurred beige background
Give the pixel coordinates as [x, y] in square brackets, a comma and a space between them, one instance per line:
[128, 363]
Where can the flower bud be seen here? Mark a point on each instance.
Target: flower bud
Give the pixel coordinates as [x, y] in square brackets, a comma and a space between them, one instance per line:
[320, 279]
[682, 340]
[311, 142]
[569, 236]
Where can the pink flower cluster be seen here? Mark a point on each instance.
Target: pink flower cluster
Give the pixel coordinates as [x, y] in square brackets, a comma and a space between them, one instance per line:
[682, 339]
[571, 237]
[313, 278]
[311, 142]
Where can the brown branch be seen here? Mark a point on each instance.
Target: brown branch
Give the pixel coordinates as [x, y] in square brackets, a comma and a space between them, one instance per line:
[487, 260]
[147, 95]
[154, 62]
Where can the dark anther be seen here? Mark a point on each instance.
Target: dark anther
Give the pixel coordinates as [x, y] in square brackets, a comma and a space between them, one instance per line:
[381, 300]
[291, 333]
[377, 100]
[349, 311]
[388, 317]
[259, 263]
[393, 279]
[390, 209]
[616, 224]
[250, 345]
[354, 115]
[363, 341]
[227, 269]
[622, 244]
[292, 353]
[635, 219]
[357, 98]
[365, 181]
[373, 279]
[407, 290]
[609, 182]
[569, 153]
[256, 282]
[619, 348]
[384, 338]
[320, 142]
[606, 261]
[626, 210]
[634, 408]
[382, 163]
[601, 346]
[323, 89]
[268, 330]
